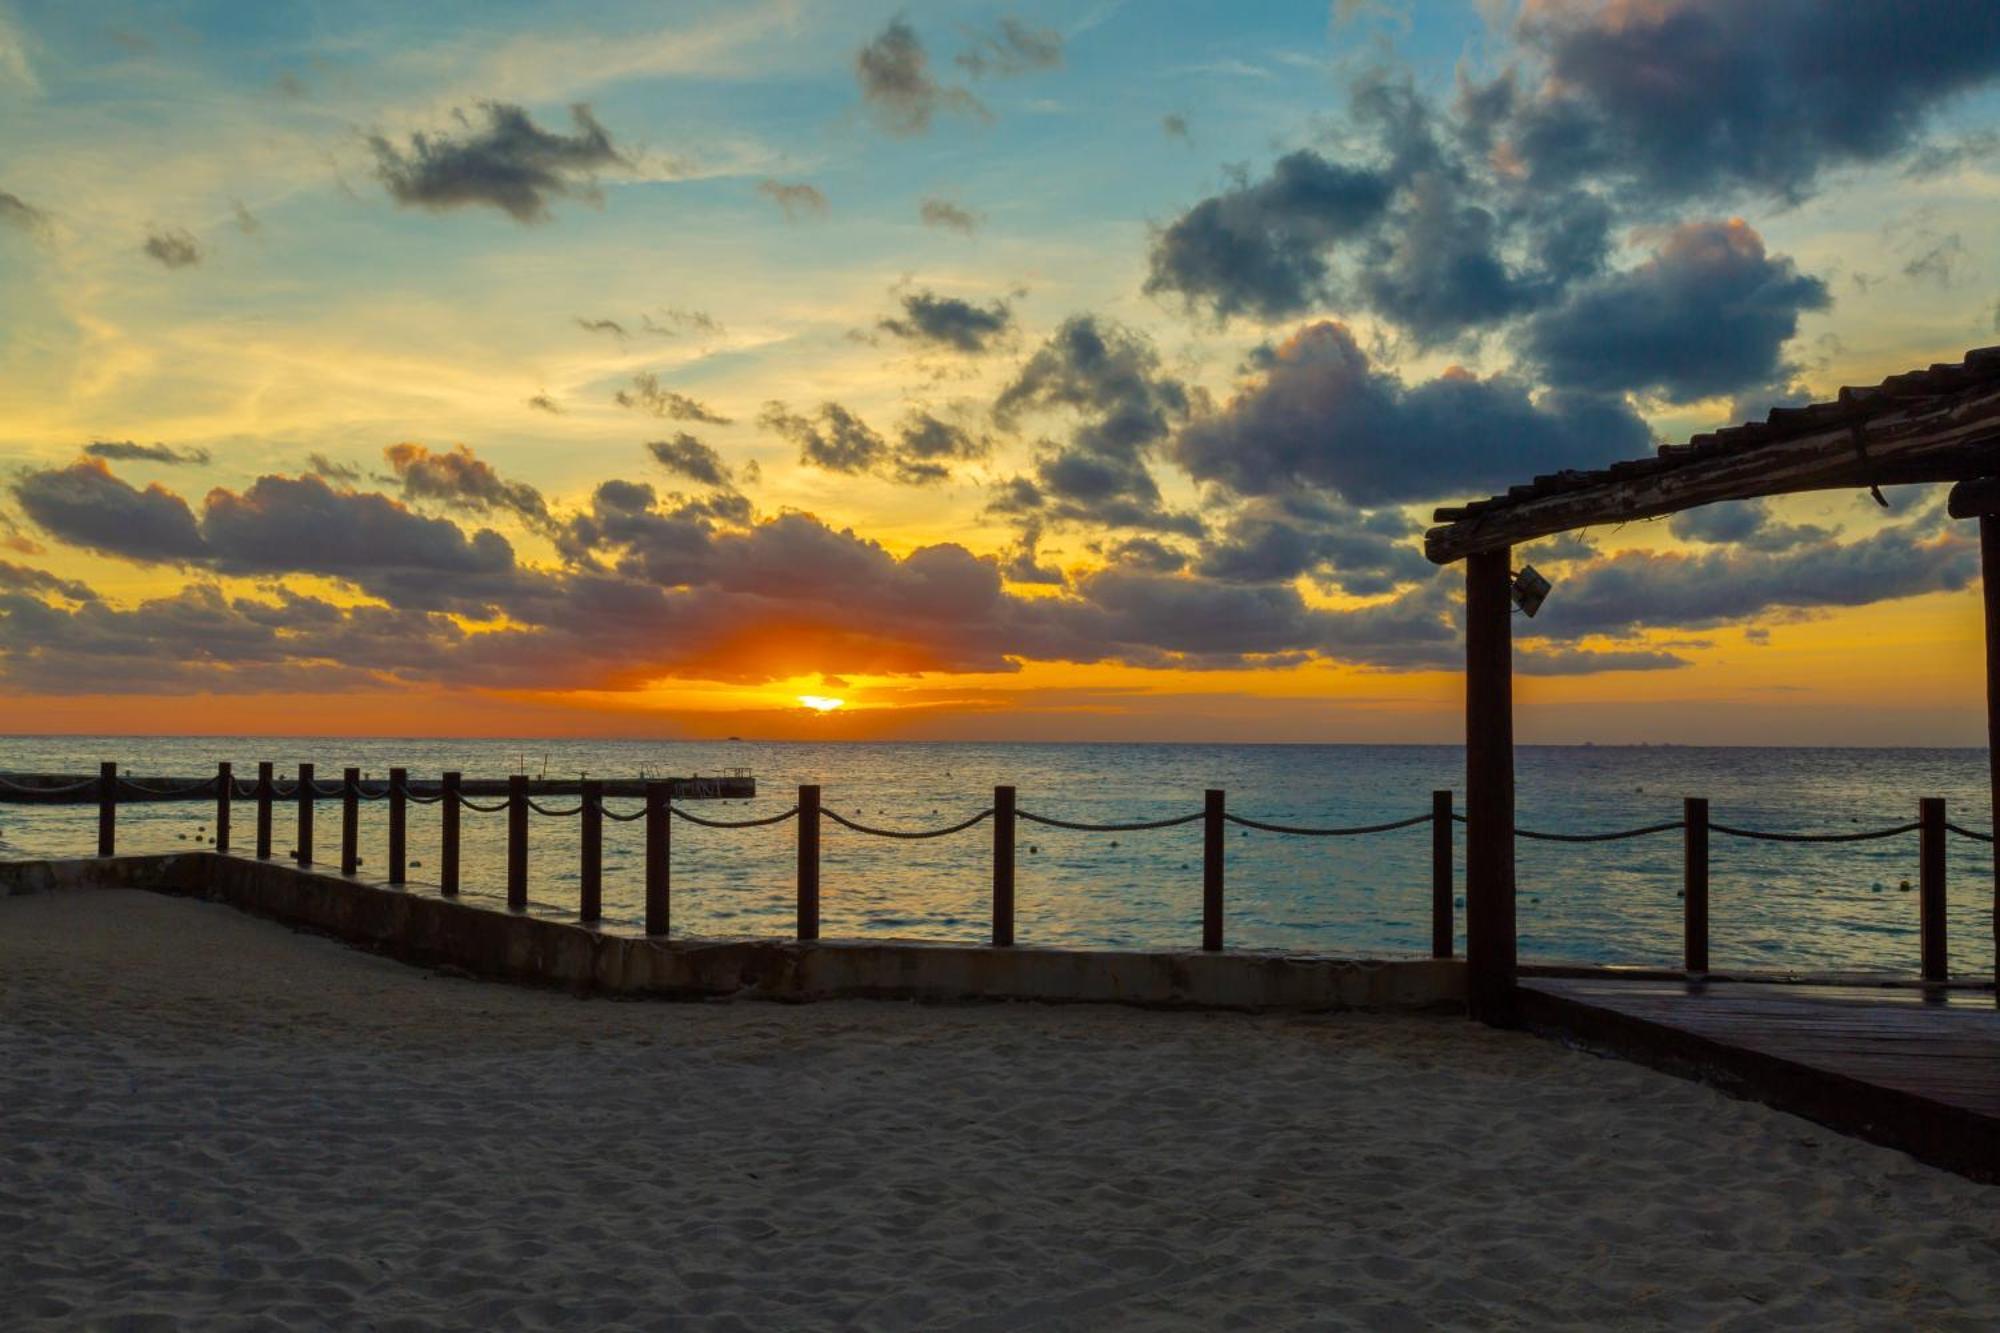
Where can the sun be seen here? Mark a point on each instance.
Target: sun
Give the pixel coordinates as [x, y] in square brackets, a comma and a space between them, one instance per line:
[820, 703]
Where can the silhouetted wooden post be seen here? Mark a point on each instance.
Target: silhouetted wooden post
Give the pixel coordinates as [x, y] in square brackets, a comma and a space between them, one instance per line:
[1442, 919]
[659, 859]
[1694, 884]
[808, 863]
[225, 791]
[1989, 577]
[305, 795]
[264, 810]
[1211, 870]
[1003, 866]
[448, 786]
[107, 809]
[517, 842]
[1931, 888]
[399, 825]
[590, 875]
[1489, 788]
[350, 820]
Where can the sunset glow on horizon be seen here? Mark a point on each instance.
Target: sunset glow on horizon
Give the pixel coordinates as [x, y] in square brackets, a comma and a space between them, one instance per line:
[867, 371]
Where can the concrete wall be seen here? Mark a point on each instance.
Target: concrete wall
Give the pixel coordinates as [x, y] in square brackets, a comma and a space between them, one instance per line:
[418, 925]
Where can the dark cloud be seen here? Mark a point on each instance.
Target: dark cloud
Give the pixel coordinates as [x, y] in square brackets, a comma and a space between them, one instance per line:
[647, 394]
[246, 221]
[319, 465]
[948, 321]
[1340, 548]
[24, 578]
[17, 212]
[1146, 553]
[947, 216]
[897, 84]
[1708, 314]
[1320, 415]
[1108, 379]
[1678, 99]
[686, 456]
[1175, 126]
[174, 247]
[1011, 48]
[460, 479]
[128, 451]
[1745, 523]
[504, 161]
[1635, 590]
[541, 402]
[797, 199]
[927, 446]
[610, 326]
[85, 505]
[835, 439]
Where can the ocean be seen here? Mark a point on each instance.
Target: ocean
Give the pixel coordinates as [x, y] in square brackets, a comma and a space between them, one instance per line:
[1774, 905]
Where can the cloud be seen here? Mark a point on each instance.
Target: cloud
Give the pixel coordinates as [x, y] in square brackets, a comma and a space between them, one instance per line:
[17, 212]
[174, 247]
[610, 326]
[1280, 539]
[1011, 48]
[797, 200]
[319, 465]
[541, 402]
[23, 578]
[1320, 415]
[897, 85]
[947, 216]
[647, 394]
[1708, 314]
[459, 479]
[688, 457]
[1745, 523]
[85, 505]
[927, 446]
[1679, 99]
[246, 221]
[1175, 126]
[836, 439]
[128, 451]
[947, 321]
[506, 162]
[1108, 379]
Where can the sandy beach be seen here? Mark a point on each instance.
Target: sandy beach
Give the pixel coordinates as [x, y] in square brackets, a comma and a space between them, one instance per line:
[212, 1121]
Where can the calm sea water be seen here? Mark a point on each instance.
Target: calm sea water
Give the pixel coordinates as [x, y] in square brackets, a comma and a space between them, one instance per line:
[1774, 905]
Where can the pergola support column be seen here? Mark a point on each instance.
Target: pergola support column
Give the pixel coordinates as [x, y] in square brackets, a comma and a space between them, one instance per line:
[1981, 499]
[1489, 788]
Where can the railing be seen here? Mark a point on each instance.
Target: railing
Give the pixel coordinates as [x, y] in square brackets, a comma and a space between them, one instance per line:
[658, 811]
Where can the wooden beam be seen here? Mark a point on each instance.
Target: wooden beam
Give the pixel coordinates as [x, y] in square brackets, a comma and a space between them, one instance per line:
[1950, 438]
[1489, 789]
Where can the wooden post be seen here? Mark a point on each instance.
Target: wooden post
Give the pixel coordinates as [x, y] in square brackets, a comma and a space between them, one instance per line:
[517, 842]
[659, 859]
[1989, 574]
[1442, 916]
[350, 821]
[1489, 789]
[264, 810]
[1694, 885]
[1003, 867]
[107, 809]
[590, 875]
[1931, 888]
[448, 812]
[305, 794]
[808, 863]
[225, 791]
[399, 825]
[1211, 870]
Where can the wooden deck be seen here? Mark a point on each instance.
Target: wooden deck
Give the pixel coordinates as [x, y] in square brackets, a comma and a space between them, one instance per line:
[1900, 1066]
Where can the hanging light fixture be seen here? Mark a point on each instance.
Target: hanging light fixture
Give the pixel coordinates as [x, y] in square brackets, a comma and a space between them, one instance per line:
[1529, 590]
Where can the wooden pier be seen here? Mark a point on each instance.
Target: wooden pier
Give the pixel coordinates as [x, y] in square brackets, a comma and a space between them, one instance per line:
[1910, 1067]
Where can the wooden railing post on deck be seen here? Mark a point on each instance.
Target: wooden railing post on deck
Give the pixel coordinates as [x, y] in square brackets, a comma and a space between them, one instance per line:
[350, 820]
[305, 795]
[225, 791]
[107, 809]
[264, 810]
[1003, 866]
[1694, 885]
[517, 842]
[448, 785]
[1211, 870]
[1442, 921]
[808, 928]
[1931, 888]
[659, 858]
[590, 868]
[399, 826]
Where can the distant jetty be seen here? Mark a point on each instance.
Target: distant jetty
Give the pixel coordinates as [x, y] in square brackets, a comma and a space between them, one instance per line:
[81, 788]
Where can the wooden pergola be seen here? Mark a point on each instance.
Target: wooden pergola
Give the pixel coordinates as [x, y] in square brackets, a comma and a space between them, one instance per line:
[1935, 425]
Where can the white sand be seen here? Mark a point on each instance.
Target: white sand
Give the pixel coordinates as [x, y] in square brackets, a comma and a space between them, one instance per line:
[207, 1118]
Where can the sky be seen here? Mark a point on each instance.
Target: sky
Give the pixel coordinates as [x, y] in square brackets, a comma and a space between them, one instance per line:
[816, 369]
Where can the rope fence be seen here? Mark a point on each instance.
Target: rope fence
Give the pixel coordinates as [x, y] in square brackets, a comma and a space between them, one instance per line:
[659, 810]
